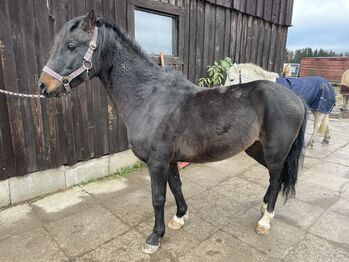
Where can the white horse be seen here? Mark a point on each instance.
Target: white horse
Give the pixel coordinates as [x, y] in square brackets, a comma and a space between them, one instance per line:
[242, 73]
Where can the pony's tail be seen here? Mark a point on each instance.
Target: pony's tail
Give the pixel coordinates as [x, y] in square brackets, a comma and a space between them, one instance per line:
[324, 124]
[293, 161]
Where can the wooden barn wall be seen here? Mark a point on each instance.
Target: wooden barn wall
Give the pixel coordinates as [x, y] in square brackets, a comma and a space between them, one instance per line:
[38, 134]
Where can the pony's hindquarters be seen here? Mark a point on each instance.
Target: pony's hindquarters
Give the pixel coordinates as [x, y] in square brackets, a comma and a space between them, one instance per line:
[283, 145]
[293, 162]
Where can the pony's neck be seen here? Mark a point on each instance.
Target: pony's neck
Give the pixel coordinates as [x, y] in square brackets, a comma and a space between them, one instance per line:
[127, 74]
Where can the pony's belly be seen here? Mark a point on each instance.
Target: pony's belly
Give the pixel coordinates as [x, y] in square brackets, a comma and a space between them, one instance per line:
[212, 153]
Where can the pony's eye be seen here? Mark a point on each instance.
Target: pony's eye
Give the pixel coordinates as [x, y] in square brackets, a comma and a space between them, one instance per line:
[71, 47]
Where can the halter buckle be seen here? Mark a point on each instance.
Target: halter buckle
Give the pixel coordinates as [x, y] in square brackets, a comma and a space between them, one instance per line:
[87, 64]
[93, 46]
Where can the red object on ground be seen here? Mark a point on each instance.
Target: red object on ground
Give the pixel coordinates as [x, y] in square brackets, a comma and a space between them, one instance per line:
[182, 165]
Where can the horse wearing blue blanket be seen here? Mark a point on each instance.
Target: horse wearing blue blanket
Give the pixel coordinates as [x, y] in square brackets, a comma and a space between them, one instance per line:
[317, 92]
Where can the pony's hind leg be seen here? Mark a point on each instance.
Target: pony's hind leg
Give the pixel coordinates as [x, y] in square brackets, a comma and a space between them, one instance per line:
[318, 117]
[327, 131]
[176, 188]
[269, 199]
[256, 152]
[158, 174]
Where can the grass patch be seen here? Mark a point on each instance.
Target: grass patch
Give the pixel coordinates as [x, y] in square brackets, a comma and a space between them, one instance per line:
[129, 169]
[123, 171]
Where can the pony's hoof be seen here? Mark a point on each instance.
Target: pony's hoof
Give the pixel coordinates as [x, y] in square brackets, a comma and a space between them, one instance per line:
[325, 142]
[178, 222]
[262, 230]
[150, 249]
[310, 144]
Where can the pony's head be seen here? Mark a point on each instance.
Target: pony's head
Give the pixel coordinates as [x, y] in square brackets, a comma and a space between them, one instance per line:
[72, 57]
[233, 75]
[287, 70]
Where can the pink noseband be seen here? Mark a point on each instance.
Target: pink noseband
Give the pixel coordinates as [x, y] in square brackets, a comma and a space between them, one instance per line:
[86, 65]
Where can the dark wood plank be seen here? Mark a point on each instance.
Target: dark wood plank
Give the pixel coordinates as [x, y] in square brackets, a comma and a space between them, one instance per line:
[260, 48]
[200, 29]
[266, 46]
[10, 79]
[219, 33]
[226, 33]
[208, 54]
[233, 35]
[8, 165]
[248, 44]
[254, 41]
[268, 8]
[276, 11]
[289, 11]
[192, 41]
[260, 8]
[273, 41]
[282, 12]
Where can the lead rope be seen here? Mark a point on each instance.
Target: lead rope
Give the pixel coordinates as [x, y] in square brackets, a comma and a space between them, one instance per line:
[20, 95]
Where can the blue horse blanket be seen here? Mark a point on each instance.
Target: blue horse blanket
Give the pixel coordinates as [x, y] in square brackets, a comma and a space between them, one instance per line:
[317, 92]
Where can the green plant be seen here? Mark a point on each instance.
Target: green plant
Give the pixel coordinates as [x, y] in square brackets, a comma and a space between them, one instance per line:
[129, 168]
[216, 73]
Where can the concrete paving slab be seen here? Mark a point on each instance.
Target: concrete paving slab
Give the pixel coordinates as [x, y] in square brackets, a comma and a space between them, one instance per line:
[61, 204]
[173, 245]
[315, 249]
[222, 212]
[257, 174]
[316, 195]
[331, 176]
[223, 247]
[297, 213]
[35, 245]
[276, 244]
[241, 190]
[340, 156]
[84, 231]
[341, 207]
[106, 188]
[17, 219]
[332, 226]
[125, 248]
[132, 205]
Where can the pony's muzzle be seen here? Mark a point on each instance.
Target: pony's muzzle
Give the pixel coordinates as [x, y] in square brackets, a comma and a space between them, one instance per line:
[48, 85]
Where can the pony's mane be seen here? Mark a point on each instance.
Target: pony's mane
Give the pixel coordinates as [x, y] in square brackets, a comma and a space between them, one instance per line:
[125, 38]
[257, 69]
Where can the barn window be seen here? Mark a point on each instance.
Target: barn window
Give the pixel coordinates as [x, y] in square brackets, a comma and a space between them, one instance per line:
[156, 32]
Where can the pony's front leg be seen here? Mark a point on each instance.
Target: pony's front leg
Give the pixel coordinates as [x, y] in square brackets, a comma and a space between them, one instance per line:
[159, 175]
[175, 184]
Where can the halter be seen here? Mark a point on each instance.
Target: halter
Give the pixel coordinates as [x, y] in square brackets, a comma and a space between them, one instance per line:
[86, 65]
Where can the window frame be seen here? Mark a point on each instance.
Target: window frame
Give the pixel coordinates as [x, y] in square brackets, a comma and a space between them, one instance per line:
[165, 9]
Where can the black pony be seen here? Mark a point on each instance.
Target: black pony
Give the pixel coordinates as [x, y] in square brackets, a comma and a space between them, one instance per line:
[169, 119]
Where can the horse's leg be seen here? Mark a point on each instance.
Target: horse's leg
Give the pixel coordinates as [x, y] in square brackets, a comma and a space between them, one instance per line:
[327, 130]
[176, 188]
[256, 152]
[317, 122]
[270, 198]
[158, 174]
[275, 154]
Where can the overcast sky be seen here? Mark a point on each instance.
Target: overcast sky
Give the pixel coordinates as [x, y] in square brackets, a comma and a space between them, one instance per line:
[320, 24]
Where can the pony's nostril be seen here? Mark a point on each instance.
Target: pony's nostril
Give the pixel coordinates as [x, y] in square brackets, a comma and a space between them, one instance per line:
[42, 87]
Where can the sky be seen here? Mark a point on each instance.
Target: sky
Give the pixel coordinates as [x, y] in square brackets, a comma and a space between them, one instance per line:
[320, 24]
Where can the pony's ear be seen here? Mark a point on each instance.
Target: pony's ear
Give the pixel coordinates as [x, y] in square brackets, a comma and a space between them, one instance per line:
[89, 22]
